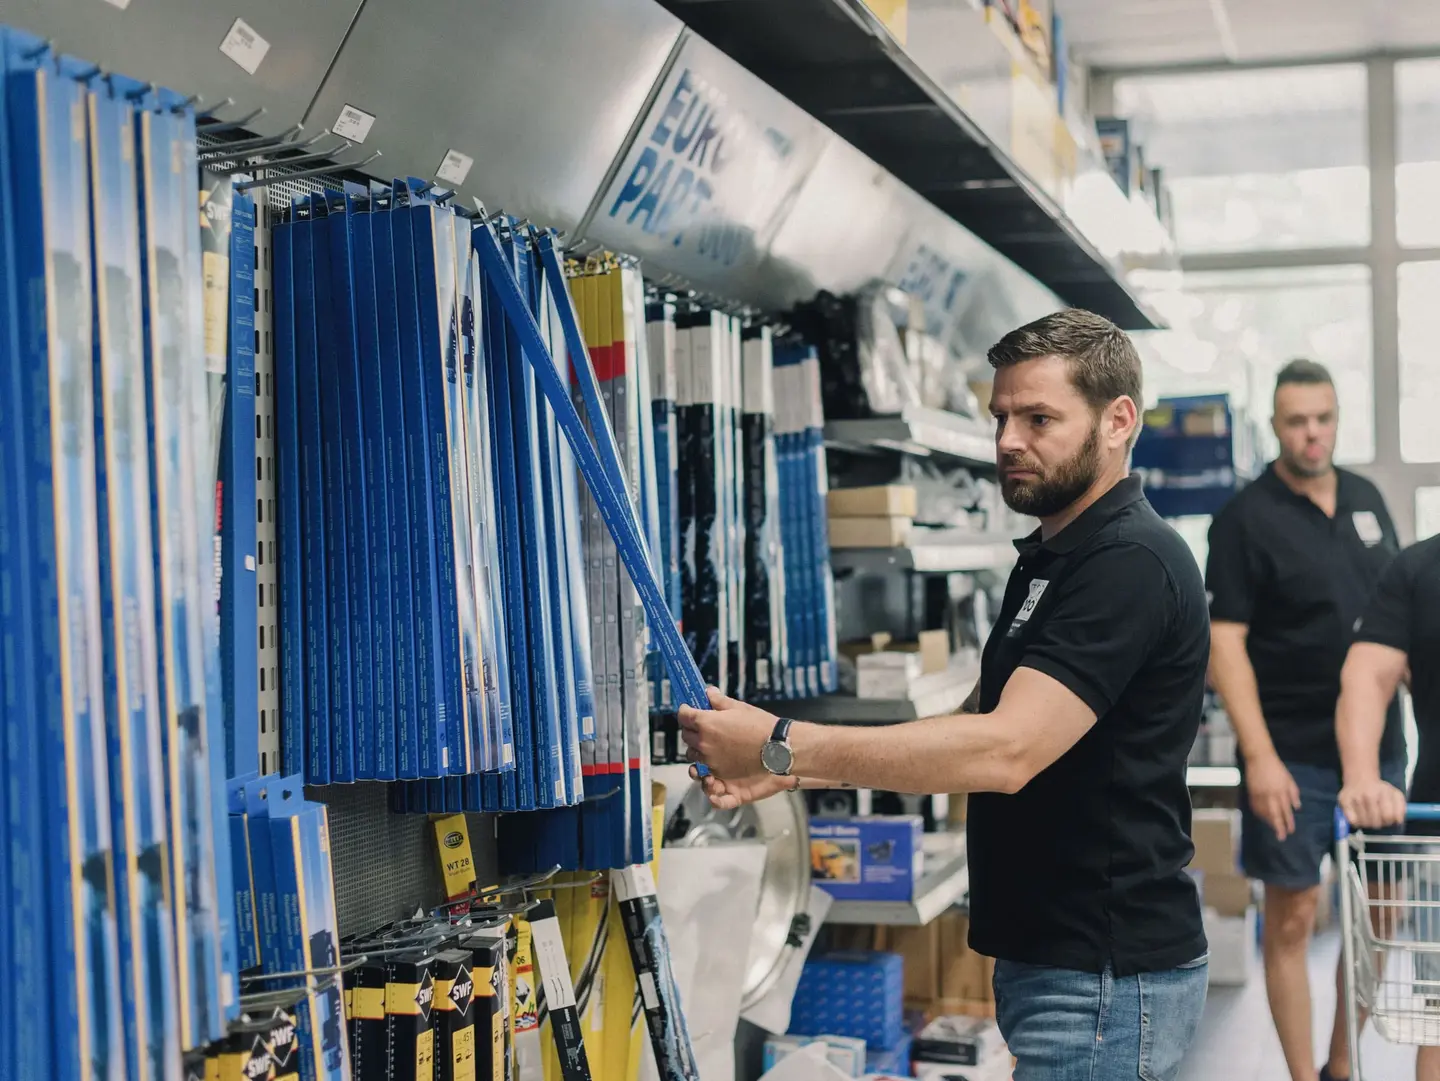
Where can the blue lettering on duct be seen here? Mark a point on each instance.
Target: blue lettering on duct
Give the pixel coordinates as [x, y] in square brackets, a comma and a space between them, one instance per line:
[670, 191]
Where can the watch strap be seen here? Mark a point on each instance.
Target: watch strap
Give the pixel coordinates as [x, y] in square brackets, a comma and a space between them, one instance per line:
[782, 730]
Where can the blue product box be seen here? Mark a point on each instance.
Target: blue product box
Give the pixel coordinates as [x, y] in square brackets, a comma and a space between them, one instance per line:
[1117, 146]
[845, 1053]
[856, 993]
[891, 1060]
[876, 858]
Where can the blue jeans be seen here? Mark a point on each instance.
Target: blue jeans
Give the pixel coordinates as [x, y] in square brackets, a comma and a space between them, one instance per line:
[1063, 1025]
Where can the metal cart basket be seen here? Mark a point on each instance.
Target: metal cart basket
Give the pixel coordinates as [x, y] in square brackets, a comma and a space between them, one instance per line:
[1390, 927]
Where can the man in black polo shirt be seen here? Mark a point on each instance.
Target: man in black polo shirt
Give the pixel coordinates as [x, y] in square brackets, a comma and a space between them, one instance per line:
[1398, 638]
[1293, 559]
[1074, 752]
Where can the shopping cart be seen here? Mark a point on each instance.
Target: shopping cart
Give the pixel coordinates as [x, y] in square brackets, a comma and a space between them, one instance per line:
[1390, 928]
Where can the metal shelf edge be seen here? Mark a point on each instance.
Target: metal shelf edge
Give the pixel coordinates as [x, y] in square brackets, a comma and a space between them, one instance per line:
[937, 891]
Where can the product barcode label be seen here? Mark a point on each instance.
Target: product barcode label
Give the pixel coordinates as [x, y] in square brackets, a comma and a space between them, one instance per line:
[455, 168]
[353, 124]
[244, 46]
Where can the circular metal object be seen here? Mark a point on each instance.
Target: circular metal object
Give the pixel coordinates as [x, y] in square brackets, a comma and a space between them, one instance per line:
[782, 826]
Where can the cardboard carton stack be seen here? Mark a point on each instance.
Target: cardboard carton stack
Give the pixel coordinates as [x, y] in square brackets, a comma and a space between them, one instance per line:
[943, 975]
[1227, 895]
[880, 516]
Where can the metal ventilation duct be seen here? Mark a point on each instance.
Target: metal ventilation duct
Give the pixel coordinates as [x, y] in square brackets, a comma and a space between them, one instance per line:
[605, 118]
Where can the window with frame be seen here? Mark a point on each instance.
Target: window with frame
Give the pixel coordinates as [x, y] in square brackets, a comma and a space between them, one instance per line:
[1263, 160]
[1234, 330]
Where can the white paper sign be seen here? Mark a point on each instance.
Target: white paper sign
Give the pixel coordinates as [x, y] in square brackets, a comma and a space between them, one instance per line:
[121, 4]
[244, 46]
[455, 168]
[353, 124]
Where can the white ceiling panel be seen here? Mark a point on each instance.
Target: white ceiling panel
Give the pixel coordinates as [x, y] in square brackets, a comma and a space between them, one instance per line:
[1161, 33]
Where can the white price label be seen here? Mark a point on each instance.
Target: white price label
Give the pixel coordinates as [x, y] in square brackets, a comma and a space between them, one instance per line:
[249, 563]
[244, 46]
[121, 4]
[633, 883]
[507, 753]
[554, 968]
[649, 992]
[353, 124]
[587, 725]
[455, 168]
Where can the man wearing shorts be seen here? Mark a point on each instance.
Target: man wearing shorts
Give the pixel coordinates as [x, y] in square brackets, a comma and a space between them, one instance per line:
[1293, 560]
[1398, 636]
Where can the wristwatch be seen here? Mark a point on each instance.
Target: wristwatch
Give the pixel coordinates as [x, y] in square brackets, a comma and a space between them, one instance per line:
[776, 756]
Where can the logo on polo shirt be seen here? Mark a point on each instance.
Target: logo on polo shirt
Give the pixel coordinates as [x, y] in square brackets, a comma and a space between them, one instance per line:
[1037, 590]
[1367, 527]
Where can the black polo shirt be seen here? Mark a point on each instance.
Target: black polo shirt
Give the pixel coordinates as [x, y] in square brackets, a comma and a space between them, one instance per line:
[1085, 866]
[1404, 614]
[1300, 580]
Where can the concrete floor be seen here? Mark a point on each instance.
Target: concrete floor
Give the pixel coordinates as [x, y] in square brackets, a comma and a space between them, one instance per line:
[1237, 1041]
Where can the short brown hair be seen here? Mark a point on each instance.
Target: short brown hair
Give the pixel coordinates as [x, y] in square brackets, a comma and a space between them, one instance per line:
[1305, 373]
[1103, 362]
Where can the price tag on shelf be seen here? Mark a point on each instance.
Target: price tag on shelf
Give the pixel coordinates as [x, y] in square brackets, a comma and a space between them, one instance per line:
[353, 124]
[455, 168]
[244, 46]
[121, 4]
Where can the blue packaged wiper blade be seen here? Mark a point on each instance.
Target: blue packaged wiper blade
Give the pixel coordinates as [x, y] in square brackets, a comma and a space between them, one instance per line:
[614, 506]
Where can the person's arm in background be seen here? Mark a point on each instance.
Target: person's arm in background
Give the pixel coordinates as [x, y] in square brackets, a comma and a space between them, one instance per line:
[1231, 578]
[1374, 668]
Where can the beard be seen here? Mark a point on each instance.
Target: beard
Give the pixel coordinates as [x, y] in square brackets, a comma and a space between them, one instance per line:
[1053, 490]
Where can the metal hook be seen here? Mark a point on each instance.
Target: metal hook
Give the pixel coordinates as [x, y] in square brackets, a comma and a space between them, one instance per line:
[85, 77]
[260, 142]
[330, 970]
[288, 996]
[436, 937]
[303, 159]
[306, 174]
[232, 125]
[209, 113]
[144, 91]
[41, 50]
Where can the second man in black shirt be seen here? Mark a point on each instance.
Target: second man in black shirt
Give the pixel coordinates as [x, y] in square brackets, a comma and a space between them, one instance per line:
[1293, 559]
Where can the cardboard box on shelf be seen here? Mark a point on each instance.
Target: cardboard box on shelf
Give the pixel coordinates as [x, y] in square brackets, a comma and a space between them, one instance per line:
[876, 501]
[1216, 833]
[962, 1040]
[920, 950]
[965, 976]
[892, 532]
[873, 858]
[1227, 894]
[1232, 947]
[933, 648]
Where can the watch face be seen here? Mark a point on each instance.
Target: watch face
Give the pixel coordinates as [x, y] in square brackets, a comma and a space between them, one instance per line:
[777, 758]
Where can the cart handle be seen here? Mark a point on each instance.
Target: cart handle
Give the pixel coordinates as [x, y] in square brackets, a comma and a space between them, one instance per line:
[1414, 812]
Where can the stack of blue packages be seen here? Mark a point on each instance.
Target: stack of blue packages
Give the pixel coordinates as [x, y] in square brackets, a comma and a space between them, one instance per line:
[852, 993]
[119, 934]
[804, 527]
[392, 656]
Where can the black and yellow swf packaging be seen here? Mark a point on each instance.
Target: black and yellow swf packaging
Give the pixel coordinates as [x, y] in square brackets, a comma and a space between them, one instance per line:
[456, 1040]
[282, 1044]
[489, 965]
[365, 1014]
[409, 1016]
